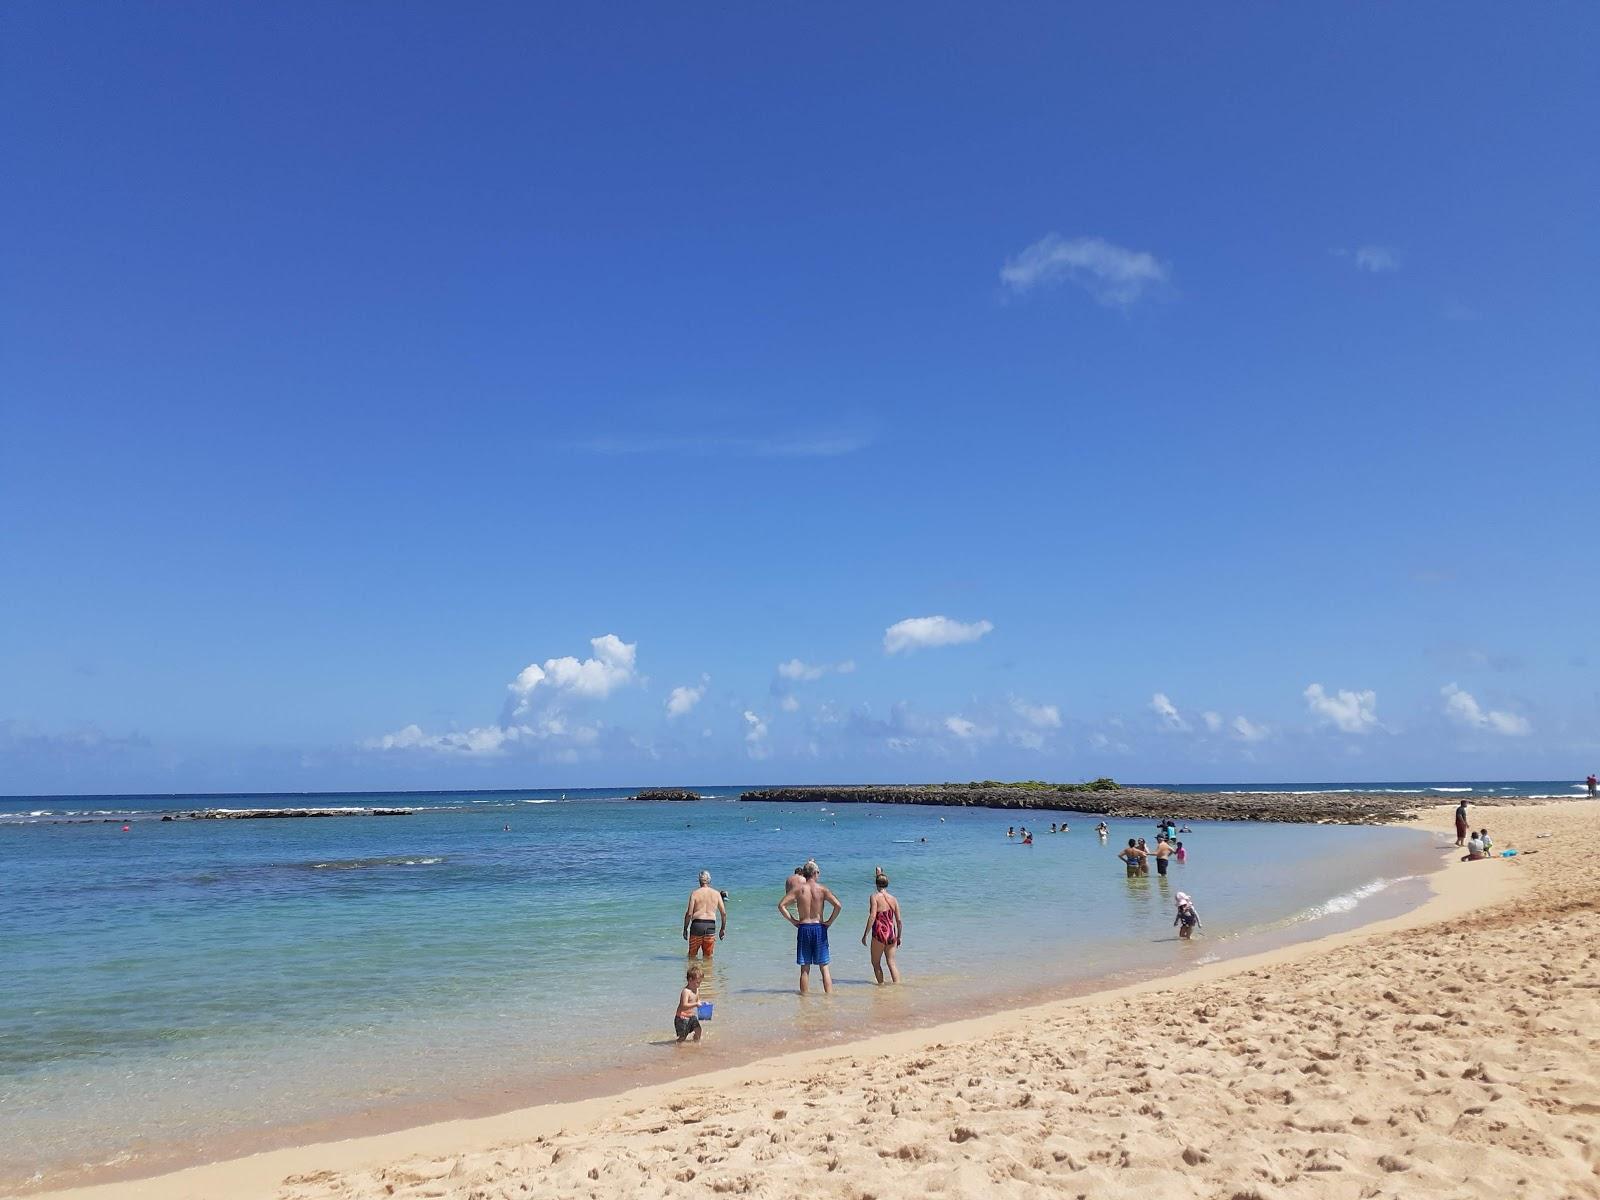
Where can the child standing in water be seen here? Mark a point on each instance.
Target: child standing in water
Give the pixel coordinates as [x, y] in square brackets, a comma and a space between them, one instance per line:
[686, 1021]
[1187, 919]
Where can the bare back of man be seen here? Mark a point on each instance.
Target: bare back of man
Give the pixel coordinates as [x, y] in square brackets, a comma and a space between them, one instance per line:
[701, 916]
[809, 900]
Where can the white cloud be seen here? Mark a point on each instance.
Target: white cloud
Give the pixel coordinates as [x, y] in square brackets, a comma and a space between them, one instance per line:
[808, 672]
[1461, 707]
[790, 703]
[1114, 275]
[1168, 712]
[915, 633]
[1376, 259]
[597, 677]
[1352, 712]
[1213, 721]
[1247, 730]
[489, 741]
[968, 731]
[755, 737]
[683, 699]
[1043, 716]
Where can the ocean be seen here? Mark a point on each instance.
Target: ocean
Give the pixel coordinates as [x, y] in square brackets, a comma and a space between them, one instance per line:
[184, 990]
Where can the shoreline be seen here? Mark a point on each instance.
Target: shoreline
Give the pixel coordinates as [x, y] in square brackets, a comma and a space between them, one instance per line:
[1454, 893]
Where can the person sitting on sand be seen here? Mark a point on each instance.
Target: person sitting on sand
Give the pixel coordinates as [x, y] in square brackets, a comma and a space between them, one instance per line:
[811, 929]
[700, 918]
[1474, 849]
[686, 1020]
[1132, 857]
[1187, 919]
[885, 927]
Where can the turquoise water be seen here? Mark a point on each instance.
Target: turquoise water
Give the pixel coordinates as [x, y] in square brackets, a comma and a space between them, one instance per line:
[190, 989]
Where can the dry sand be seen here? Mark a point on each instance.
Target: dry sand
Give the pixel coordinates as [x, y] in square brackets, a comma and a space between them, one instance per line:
[1453, 1052]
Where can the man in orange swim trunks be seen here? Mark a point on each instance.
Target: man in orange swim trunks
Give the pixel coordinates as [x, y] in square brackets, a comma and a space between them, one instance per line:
[700, 917]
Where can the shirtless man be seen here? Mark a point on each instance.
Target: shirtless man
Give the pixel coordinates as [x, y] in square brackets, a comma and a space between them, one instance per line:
[811, 929]
[1163, 852]
[700, 918]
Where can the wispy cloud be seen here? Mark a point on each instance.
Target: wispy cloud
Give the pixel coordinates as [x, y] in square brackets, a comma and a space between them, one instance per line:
[810, 672]
[1462, 708]
[917, 633]
[1376, 260]
[1114, 275]
[817, 444]
[1164, 708]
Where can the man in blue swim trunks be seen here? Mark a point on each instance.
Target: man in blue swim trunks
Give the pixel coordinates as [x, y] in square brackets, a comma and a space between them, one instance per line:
[811, 929]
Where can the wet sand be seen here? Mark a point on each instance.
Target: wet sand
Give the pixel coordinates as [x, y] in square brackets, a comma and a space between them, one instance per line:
[1451, 1051]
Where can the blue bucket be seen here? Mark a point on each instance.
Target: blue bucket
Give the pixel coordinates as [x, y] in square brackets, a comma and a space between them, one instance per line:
[704, 1011]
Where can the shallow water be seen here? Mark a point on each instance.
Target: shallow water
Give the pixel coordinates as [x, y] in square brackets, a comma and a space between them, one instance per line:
[191, 989]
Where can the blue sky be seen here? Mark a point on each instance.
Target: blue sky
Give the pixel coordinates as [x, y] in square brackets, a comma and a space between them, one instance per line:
[1225, 380]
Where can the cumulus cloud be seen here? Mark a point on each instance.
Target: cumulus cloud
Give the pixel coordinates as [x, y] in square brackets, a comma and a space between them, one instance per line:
[1171, 718]
[1247, 730]
[1462, 708]
[808, 672]
[1114, 275]
[611, 667]
[1041, 716]
[916, 633]
[683, 699]
[1350, 712]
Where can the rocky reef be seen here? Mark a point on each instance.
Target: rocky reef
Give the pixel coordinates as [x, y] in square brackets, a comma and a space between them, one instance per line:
[678, 794]
[1349, 808]
[263, 814]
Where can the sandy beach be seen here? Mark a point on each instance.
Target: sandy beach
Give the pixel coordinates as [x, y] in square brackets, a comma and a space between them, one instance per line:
[1450, 1052]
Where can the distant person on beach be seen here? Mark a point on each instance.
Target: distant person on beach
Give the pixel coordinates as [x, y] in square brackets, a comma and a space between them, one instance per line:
[1474, 849]
[1594, 786]
[885, 927]
[1461, 823]
[700, 918]
[1187, 919]
[1488, 842]
[811, 928]
[1132, 857]
[686, 1020]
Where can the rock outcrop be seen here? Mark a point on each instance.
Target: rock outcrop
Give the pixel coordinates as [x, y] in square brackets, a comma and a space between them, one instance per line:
[678, 794]
[1350, 808]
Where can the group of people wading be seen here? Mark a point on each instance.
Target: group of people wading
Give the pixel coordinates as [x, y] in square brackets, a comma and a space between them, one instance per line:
[805, 905]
